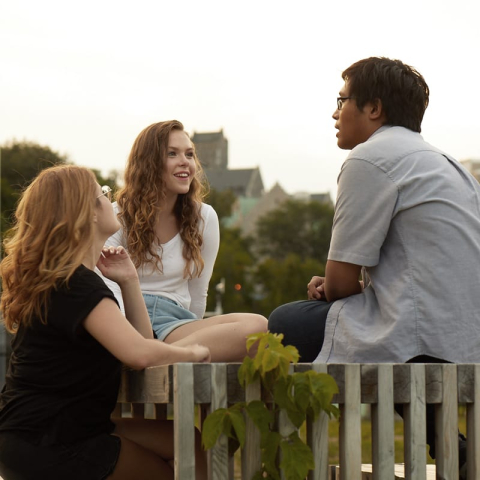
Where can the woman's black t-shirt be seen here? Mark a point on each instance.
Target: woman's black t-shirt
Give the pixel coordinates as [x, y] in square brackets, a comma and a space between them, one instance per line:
[62, 385]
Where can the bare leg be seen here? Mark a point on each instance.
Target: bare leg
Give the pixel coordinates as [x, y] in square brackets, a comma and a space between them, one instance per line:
[147, 446]
[225, 335]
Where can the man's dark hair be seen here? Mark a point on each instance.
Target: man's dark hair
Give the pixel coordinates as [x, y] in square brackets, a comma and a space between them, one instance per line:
[401, 89]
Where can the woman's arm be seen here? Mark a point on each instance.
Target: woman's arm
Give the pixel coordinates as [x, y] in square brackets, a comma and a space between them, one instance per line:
[110, 328]
[198, 286]
[115, 264]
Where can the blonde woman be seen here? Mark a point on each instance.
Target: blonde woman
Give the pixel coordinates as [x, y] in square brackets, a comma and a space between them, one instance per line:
[70, 340]
[173, 238]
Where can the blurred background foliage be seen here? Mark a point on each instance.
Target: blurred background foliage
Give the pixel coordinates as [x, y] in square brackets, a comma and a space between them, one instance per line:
[251, 274]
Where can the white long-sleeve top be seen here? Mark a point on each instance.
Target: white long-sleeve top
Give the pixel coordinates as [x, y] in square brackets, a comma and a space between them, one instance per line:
[190, 294]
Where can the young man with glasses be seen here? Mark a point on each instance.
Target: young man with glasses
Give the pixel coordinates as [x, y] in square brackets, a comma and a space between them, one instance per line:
[407, 219]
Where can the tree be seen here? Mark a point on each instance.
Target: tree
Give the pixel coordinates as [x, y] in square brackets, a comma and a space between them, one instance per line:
[234, 264]
[298, 227]
[222, 202]
[21, 162]
[283, 281]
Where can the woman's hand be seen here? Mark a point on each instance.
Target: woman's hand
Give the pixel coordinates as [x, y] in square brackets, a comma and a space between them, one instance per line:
[116, 265]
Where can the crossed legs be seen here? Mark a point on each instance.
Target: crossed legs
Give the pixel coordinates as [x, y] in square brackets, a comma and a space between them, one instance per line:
[225, 335]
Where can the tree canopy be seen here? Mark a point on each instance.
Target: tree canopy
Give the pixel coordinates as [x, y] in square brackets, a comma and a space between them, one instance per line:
[21, 162]
[296, 227]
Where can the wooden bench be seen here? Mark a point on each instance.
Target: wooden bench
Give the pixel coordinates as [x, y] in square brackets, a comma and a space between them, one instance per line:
[378, 385]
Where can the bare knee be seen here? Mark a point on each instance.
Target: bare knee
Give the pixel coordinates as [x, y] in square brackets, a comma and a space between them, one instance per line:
[258, 323]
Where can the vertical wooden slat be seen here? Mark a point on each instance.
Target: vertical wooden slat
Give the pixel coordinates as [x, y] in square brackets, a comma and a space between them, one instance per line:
[317, 438]
[415, 426]
[350, 426]
[251, 455]
[218, 455]
[285, 426]
[446, 425]
[473, 428]
[138, 410]
[383, 442]
[184, 421]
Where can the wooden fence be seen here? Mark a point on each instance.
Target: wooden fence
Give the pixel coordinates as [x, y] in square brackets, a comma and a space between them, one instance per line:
[379, 385]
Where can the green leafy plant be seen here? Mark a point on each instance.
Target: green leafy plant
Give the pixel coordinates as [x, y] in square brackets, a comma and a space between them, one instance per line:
[301, 395]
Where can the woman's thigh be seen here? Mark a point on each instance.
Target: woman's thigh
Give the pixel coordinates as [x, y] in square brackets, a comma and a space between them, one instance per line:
[136, 461]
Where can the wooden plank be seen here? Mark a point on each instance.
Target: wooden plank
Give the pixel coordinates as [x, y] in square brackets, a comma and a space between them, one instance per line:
[285, 426]
[473, 428]
[399, 469]
[446, 425]
[251, 454]
[350, 426]
[317, 438]
[184, 421]
[383, 443]
[218, 455]
[152, 385]
[415, 425]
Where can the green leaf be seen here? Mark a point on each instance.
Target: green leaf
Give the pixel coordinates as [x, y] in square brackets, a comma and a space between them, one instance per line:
[253, 338]
[283, 396]
[297, 458]
[322, 387]
[269, 454]
[212, 428]
[238, 423]
[270, 360]
[301, 391]
[247, 372]
[261, 416]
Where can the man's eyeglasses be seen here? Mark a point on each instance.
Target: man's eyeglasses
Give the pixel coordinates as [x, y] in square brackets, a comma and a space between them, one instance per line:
[340, 101]
[107, 191]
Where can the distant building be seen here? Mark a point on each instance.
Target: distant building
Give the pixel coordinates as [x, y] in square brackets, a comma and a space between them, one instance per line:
[313, 197]
[246, 183]
[212, 151]
[473, 166]
[247, 211]
[243, 182]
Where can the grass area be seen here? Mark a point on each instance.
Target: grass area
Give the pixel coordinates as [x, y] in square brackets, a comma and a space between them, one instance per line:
[333, 445]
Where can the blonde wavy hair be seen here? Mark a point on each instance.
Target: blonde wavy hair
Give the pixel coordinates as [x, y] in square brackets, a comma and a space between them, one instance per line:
[52, 232]
[143, 195]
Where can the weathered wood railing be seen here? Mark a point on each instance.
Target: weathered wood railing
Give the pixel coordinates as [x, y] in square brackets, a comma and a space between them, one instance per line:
[379, 385]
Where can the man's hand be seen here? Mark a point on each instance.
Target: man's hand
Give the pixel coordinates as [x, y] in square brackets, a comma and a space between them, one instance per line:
[316, 288]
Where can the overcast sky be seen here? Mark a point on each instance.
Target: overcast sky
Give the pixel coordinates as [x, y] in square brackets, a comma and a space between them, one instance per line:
[85, 78]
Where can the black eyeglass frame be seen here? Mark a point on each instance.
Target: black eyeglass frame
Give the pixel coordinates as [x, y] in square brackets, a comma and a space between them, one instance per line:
[341, 100]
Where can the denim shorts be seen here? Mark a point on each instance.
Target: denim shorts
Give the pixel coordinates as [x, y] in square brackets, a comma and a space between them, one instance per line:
[166, 314]
[92, 459]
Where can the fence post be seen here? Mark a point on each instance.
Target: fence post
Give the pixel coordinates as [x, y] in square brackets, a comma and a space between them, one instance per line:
[251, 454]
[218, 455]
[184, 421]
[415, 426]
[317, 438]
[350, 426]
[446, 425]
[473, 428]
[383, 442]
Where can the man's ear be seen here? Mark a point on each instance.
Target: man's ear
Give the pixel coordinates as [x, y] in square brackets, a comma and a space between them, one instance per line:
[375, 109]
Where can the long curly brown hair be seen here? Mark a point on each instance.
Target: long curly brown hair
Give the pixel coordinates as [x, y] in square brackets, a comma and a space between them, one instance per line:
[52, 233]
[143, 195]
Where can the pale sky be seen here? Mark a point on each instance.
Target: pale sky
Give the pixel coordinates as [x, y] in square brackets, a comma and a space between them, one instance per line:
[85, 78]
